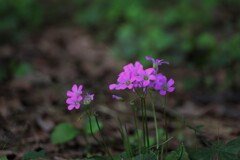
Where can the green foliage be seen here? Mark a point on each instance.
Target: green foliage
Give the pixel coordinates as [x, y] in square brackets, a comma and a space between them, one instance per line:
[18, 17]
[21, 69]
[190, 83]
[229, 151]
[196, 32]
[3, 158]
[179, 154]
[197, 129]
[133, 139]
[34, 155]
[63, 133]
[181, 31]
[95, 129]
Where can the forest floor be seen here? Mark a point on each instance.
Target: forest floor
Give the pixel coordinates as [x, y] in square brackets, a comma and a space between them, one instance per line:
[32, 104]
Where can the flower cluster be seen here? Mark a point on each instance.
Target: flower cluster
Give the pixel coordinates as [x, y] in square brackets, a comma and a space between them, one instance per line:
[134, 76]
[75, 97]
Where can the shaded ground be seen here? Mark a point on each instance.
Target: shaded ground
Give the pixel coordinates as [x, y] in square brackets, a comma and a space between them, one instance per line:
[31, 105]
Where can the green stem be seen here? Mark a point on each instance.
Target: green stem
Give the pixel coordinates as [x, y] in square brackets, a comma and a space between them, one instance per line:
[146, 122]
[95, 138]
[134, 108]
[162, 149]
[166, 119]
[165, 126]
[155, 123]
[104, 144]
[143, 124]
[124, 135]
[129, 148]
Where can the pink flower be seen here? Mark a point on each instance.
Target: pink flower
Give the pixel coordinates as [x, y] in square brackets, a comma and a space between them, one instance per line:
[114, 86]
[166, 86]
[160, 79]
[75, 97]
[134, 77]
[75, 91]
[156, 62]
[88, 99]
[134, 70]
[117, 97]
[125, 80]
[74, 102]
[147, 76]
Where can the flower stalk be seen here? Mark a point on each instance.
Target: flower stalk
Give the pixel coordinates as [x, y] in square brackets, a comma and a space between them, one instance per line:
[155, 123]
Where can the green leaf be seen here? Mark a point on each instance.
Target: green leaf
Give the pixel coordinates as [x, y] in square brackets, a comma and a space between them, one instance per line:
[197, 129]
[206, 40]
[121, 156]
[95, 129]
[161, 134]
[63, 132]
[180, 154]
[229, 151]
[3, 158]
[22, 69]
[201, 154]
[33, 155]
[152, 140]
[134, 138]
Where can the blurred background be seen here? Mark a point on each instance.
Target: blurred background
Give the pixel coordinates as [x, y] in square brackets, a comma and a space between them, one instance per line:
[48, 45]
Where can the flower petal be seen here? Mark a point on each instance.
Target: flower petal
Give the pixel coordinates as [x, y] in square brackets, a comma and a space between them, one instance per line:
[170, 82]
[70, 107]
[145, 83]
[112, 86]
[69, 101]
[91, 96]
[149, 71]
[130, 86]
[70, 93]
[171, 89]
[77, 106]
[162, 92]
[74, 88]
[152, 77]
[80, 88]
[79, 98]
[150, 58]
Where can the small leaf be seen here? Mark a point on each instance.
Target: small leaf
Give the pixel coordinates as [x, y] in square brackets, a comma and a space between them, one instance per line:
[63, 132]
[30, 155]
[152, 140]
[180, 154]
[3, 158]
[229, 151]
[134, 138]
[202, 154]
[87, 126]
[121, 156]
[22, 69]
